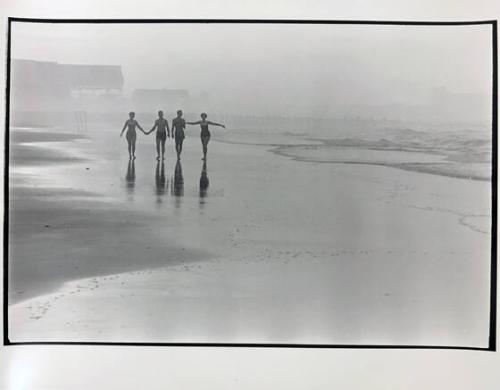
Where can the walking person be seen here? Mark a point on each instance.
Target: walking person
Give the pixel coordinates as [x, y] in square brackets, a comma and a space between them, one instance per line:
[131, 136]
[178, 126]
[205, 133]
[162, 132]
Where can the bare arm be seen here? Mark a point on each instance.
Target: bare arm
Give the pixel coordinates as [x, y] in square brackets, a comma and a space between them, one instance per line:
[216, 124]
[124, 127]
[193, 123]
[139, 126]
[153, 128]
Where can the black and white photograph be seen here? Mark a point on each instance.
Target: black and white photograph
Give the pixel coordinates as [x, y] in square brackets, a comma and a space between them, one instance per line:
[264, 183]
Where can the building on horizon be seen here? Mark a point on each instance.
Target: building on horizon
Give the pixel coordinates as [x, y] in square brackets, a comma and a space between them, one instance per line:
[145, 99]
[46, 85]
[169, 100]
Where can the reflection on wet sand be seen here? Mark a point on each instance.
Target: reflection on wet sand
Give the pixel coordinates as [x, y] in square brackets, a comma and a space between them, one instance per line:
[160, 180]
[178, 186]
[130, 177]
[204, 182]
[165, 184]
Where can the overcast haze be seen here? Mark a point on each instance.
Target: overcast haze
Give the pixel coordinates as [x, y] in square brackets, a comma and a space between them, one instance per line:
[339, 227]
[278, 69]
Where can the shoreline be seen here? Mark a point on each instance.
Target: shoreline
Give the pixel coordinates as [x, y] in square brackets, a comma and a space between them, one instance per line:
[447, 163]
[424, 168]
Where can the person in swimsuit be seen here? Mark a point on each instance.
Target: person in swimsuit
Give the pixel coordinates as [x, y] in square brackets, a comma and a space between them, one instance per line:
[205, 133]
[161, 135]
[178, 126]
[131, 136]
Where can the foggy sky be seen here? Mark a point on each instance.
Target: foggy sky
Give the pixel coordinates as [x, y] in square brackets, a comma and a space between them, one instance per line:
[277, 69]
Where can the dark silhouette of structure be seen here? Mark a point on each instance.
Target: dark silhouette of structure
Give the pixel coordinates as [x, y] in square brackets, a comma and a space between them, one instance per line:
[41, 85]
[145, 99]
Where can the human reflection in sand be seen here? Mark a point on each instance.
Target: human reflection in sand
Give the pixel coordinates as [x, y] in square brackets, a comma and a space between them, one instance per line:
[130, 178]
[160, 181]
[177, 189]
[204, 182]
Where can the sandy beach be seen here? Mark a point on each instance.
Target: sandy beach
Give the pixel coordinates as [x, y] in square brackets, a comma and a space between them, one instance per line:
[256, 247]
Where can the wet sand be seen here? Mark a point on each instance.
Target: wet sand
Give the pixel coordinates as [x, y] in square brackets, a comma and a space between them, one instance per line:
[273, 250]
[65, 224]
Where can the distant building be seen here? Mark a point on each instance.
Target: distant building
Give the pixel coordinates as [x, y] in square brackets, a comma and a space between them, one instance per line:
[93, 79]
[159, 99]
[39, 85]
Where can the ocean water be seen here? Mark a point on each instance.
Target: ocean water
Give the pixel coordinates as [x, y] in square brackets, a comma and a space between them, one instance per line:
[457, 150]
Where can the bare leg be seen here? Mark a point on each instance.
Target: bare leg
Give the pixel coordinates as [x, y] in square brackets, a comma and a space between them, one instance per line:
[129, 142]
[158, 149]
[178, 147]
[133, 148]
[162, 148]
[204, 143]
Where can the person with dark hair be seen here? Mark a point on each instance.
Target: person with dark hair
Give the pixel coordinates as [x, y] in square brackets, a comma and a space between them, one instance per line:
[205, 133]
[131, 136]
[178, 126]
[161, 135]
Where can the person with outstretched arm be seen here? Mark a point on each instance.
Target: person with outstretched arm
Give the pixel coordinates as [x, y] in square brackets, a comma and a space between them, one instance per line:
[205, 133]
